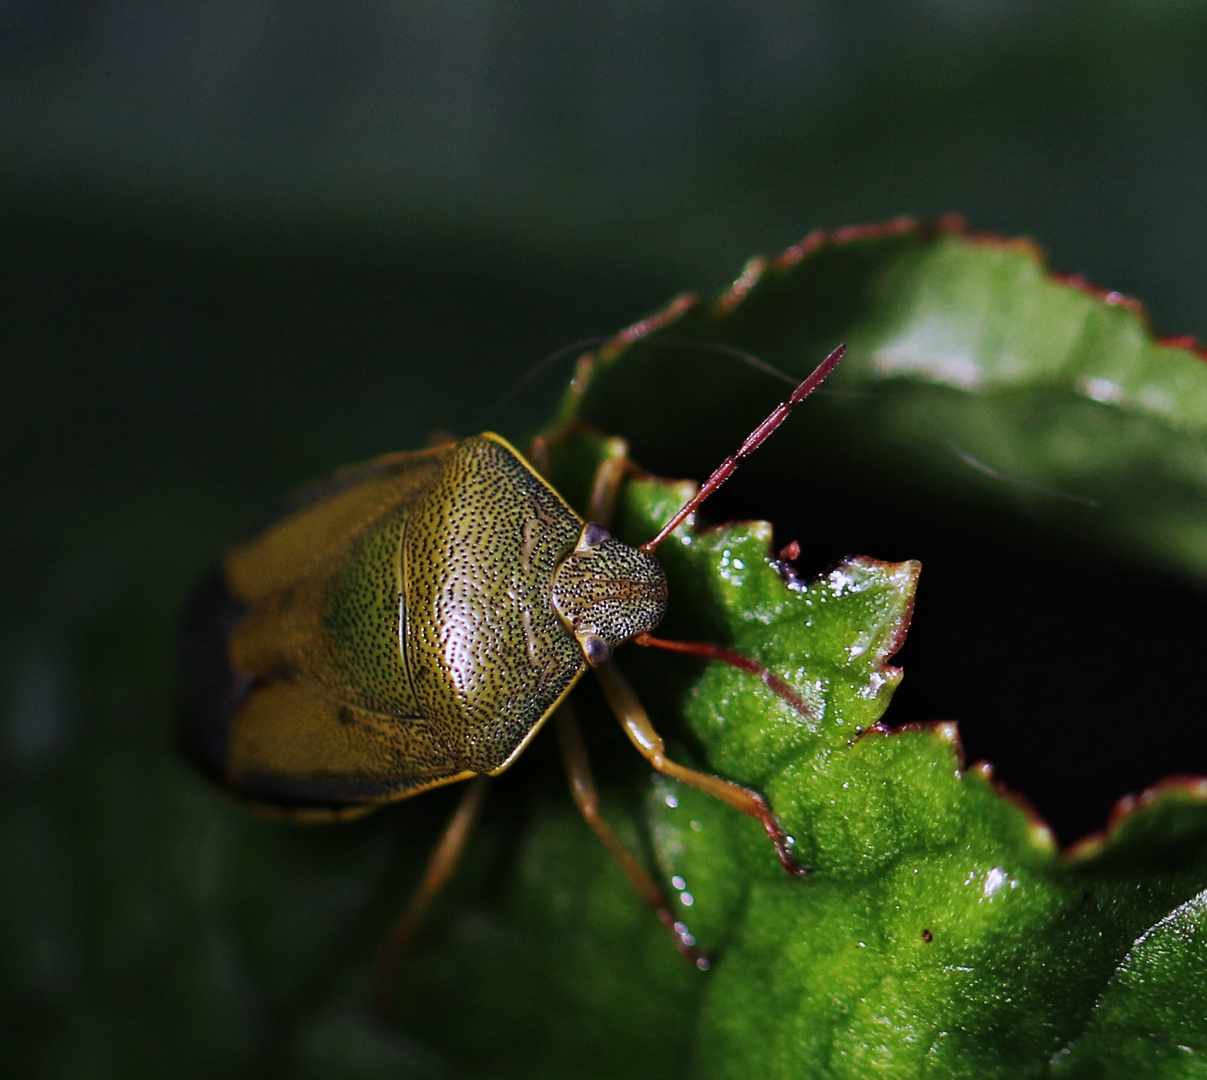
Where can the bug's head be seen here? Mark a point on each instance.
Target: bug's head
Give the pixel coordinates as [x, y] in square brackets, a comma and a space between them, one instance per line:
[607, 592]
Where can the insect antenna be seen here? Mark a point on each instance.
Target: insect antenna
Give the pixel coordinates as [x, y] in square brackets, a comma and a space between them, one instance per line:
[721, 348]
[707, 650]
[534, 372]
[753, 441]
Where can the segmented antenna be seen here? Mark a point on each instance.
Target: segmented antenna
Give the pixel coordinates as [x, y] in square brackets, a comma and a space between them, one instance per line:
[753, 441]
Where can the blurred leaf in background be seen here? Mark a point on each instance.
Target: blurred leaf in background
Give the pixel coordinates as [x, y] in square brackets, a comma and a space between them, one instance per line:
[246, 243]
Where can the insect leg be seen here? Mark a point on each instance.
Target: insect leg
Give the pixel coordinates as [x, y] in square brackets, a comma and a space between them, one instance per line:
[605, 486]
[441, 865]
[636, 723]
[586, 797]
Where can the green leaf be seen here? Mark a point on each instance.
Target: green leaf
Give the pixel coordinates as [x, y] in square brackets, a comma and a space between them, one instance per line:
[941, 932]
[1151, 1020]
[157, 929]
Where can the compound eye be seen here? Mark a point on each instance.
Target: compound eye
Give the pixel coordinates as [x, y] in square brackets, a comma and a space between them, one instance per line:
[594, 534]
[595, 649]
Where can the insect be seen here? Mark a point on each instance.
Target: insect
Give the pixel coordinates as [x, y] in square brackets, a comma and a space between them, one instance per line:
[413, 622]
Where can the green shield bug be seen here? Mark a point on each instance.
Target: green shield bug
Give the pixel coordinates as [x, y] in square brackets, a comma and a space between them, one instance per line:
[414, 621]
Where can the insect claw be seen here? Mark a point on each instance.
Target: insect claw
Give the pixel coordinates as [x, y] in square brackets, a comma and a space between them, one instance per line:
[782, 841]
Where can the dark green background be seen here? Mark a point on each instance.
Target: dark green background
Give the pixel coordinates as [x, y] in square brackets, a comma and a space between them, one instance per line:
[246, 243]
